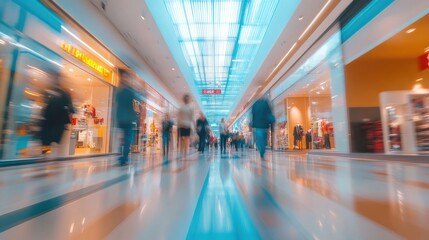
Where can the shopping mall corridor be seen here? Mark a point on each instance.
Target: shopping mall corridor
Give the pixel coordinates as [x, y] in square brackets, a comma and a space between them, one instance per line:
[213, 196]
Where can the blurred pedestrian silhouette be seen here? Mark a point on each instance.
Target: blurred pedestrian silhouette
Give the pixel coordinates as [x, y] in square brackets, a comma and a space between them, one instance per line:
[262, 119]
[185, 120]
[126, 116]
[167, 126]
[202, 131]
[56, 117]
[223, 131]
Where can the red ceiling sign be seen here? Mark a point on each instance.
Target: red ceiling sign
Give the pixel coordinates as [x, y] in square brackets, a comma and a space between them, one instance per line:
[424, 61]
[211, 91]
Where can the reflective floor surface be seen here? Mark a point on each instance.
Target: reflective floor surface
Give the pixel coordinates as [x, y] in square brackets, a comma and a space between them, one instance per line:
[214, 196]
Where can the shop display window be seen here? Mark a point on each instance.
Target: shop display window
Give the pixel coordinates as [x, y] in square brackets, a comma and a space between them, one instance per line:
[420, 109]
[322, 128]
[91, 122]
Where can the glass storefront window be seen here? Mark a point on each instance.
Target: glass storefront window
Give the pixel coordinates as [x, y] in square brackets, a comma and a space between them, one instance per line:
[308, 103]
[92, 100]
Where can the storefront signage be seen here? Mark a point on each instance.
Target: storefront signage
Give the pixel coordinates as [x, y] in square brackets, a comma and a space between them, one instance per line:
[211, 91]
[79, 55]
[424, 61]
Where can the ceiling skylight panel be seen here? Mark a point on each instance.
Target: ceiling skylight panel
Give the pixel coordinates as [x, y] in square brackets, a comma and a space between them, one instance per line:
[177, 11]
[188, 48]
[209, 63]
[221, 31]
[202, 32]
[220, 57]
[183, 32]
[261, 12]
[202, 11]
[227, 11]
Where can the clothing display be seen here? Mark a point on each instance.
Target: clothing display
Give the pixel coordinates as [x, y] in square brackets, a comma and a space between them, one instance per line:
[394, 129]
[298, 133]
[308, 139]
[323, 134]
[421, 122]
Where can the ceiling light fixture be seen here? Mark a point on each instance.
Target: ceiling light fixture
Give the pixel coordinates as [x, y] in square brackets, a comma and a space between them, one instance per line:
[300, 18]
[285, 56]
[142, 17]
[315, 19]
[302, 35]
[317, 92]
[71, 69]
[410, 30]
[420, 79]
[173, 69]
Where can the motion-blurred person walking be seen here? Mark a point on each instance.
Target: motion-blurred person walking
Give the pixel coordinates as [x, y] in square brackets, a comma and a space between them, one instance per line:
[223, 136]
[125, 113]
[202, 131]
[185, 119]
[262, 118]
[167, 126]
[56, 117]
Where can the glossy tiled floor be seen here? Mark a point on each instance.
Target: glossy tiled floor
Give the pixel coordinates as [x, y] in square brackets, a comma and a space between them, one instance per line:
[213, 196]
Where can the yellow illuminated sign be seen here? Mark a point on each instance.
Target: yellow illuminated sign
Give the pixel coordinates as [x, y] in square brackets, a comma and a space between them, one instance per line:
[76, 53]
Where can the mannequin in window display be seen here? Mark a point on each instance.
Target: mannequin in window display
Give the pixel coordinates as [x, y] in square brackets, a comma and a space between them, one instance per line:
[327, 141]
[298, 133]
[308, 139]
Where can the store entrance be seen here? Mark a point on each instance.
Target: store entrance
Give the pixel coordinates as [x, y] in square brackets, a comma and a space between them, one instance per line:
[307, 122]
[89, 132]
[388, 94]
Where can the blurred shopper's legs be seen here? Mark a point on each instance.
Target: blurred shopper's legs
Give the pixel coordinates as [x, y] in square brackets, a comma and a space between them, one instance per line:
[126, 144]
[166, 144]
[222, 143]
[201, 143]
[261, 140]
[184, 140]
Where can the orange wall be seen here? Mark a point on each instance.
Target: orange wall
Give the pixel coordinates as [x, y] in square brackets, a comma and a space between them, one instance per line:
[366, 78]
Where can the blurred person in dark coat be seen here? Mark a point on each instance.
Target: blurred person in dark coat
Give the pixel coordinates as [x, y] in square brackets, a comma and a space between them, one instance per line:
[202, 131]
[126, 116]
[56, 116]
[223, 131]
[167, 127]
[262, 119]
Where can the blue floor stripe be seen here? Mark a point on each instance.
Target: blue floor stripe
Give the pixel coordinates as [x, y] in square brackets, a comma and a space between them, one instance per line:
[220, 212]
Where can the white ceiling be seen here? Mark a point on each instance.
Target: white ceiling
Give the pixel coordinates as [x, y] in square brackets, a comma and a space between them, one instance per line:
[148, 42]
